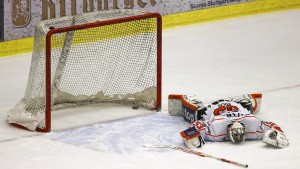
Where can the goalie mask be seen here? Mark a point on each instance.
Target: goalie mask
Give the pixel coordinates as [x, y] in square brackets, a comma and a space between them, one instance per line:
[237, 132]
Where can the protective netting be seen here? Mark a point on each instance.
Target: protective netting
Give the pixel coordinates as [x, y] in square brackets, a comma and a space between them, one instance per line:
[112, 63]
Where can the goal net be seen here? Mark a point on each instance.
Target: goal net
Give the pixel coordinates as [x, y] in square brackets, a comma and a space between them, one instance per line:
[106, 56]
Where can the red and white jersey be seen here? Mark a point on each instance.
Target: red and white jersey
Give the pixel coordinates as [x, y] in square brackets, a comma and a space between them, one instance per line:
[221, 114]
[224, 108]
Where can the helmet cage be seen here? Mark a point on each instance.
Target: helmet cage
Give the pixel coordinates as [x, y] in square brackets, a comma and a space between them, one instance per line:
[237, 133]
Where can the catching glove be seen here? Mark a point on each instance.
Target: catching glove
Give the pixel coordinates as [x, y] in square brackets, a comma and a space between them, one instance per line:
[275, 138]
[192, 138]
[195, 142]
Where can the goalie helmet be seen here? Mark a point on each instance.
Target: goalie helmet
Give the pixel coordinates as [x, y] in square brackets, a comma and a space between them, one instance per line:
[237, 132]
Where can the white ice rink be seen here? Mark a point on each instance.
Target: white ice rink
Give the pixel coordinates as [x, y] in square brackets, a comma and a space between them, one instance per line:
[214, 60]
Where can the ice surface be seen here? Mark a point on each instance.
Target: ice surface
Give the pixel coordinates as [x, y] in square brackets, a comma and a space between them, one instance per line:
[257, 53]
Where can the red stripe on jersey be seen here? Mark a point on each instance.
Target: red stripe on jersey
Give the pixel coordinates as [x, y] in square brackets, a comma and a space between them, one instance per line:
[244, 117]
[218, 119]
[216, 135]
[226, 134]
[254, 132]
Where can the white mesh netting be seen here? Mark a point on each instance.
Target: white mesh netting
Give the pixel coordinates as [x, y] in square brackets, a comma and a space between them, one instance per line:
[113, 63]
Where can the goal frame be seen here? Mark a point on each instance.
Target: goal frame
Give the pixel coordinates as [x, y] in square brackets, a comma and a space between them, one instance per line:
[54, 31]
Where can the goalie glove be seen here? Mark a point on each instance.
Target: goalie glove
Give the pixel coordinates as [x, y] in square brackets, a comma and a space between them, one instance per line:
[196, 142]
[192, 138]
[275, 138]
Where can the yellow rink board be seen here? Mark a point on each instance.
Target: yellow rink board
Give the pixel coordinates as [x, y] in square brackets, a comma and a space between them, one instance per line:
[182, 19]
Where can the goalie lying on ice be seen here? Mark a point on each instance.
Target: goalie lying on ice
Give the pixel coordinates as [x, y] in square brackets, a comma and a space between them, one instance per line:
[227, 119]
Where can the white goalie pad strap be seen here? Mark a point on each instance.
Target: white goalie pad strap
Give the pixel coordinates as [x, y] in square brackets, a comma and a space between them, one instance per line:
[275, 138]
[18, 115]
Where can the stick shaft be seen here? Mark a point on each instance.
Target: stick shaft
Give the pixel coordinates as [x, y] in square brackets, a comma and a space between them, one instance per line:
[196, 153]
[210, 156]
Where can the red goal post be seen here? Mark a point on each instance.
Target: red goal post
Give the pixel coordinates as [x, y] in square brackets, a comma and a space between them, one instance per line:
[107, 56]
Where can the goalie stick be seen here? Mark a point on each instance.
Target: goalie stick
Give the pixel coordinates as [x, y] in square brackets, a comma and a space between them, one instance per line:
[195, 153]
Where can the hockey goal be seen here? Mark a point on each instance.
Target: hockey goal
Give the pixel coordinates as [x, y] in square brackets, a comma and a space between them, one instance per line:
[106, 56]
